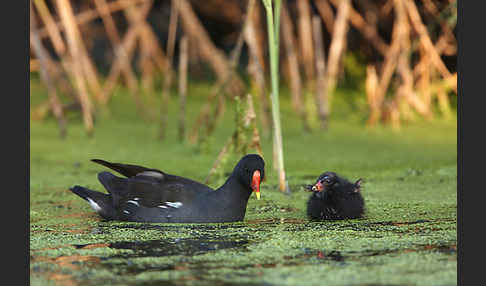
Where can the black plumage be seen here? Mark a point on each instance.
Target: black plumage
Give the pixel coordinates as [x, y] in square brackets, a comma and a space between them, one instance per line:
[334, 197]
[150, 195]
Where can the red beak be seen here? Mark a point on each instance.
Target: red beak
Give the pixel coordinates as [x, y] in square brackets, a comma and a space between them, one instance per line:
[255, 183]
[318, 187]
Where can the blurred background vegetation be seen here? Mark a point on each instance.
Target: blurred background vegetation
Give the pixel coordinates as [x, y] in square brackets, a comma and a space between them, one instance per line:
[399, 56]
[384, 62]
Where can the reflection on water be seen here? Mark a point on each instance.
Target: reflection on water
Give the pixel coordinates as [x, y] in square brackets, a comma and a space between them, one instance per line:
[183, 246]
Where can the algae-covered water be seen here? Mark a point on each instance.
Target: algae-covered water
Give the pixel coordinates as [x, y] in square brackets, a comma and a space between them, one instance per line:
[407, 237]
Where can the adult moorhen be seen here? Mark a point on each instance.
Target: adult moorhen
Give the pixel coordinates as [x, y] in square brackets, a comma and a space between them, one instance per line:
[150, 195]
[335, 198]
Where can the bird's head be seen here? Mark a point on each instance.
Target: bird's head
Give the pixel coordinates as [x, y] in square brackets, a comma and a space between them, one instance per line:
[325, 182]
[330, 182]
[251, 172]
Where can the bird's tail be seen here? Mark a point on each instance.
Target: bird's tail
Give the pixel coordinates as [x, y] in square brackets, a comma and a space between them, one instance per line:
[101, 203]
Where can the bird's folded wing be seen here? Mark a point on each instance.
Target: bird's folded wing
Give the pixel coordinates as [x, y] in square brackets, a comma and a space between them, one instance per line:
[128, 170]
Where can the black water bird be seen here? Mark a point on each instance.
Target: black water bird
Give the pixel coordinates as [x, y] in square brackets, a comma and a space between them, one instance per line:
[334, 198]
[150, 195]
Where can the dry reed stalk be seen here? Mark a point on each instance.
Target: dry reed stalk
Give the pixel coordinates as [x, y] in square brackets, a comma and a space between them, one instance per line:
[146, 66]
[444, 45]
[34, 65]
[407, 92]
[337, 45]
[250, 121]
[371, 86]
[84, 60]
[67, 16]
[59, 48]
[221, 86]
[174, 16]
[128, 44]
[182, 86]
[233, 62]
[63, 78]
[389, 65]
[255, 69]
[260, 38]
[447, 43]
[394, 115]
[386, 8]
[256, 142]
[258, 81]
[115, 39]
[110, 27]
[444, 85]
[320, 91]
[424, 78]
[293, 64]
[50, 26]
[153, 54]
[370, 10]
[44, 59]
[168, 77]
[305, 39]
[393, 58]
[421, 104]
[451, 82]
[135, 16]
[214, 56]
[430, 7]
[406, 96]
[304, 24]
[92, 77]
[92, 14]
[369, 31]
[425, 39]
[156, 52]
[444, 104]
[327, 15]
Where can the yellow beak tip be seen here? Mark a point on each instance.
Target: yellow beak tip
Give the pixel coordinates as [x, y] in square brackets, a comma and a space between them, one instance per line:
[257, 194]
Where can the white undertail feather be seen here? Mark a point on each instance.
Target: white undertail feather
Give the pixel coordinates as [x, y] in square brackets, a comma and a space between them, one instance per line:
[174, 205]
[94, 205]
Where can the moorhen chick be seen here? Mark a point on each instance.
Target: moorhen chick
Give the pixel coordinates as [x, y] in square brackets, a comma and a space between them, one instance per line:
[150, 195]
[335, 198]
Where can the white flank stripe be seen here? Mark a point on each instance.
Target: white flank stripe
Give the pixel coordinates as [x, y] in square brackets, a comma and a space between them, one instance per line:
[94, 205]
[125, 211]
[133, 202]
[174, 205]
[162, 207]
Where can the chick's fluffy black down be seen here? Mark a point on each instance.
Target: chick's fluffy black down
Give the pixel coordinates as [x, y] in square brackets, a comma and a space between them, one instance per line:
[340, 199]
